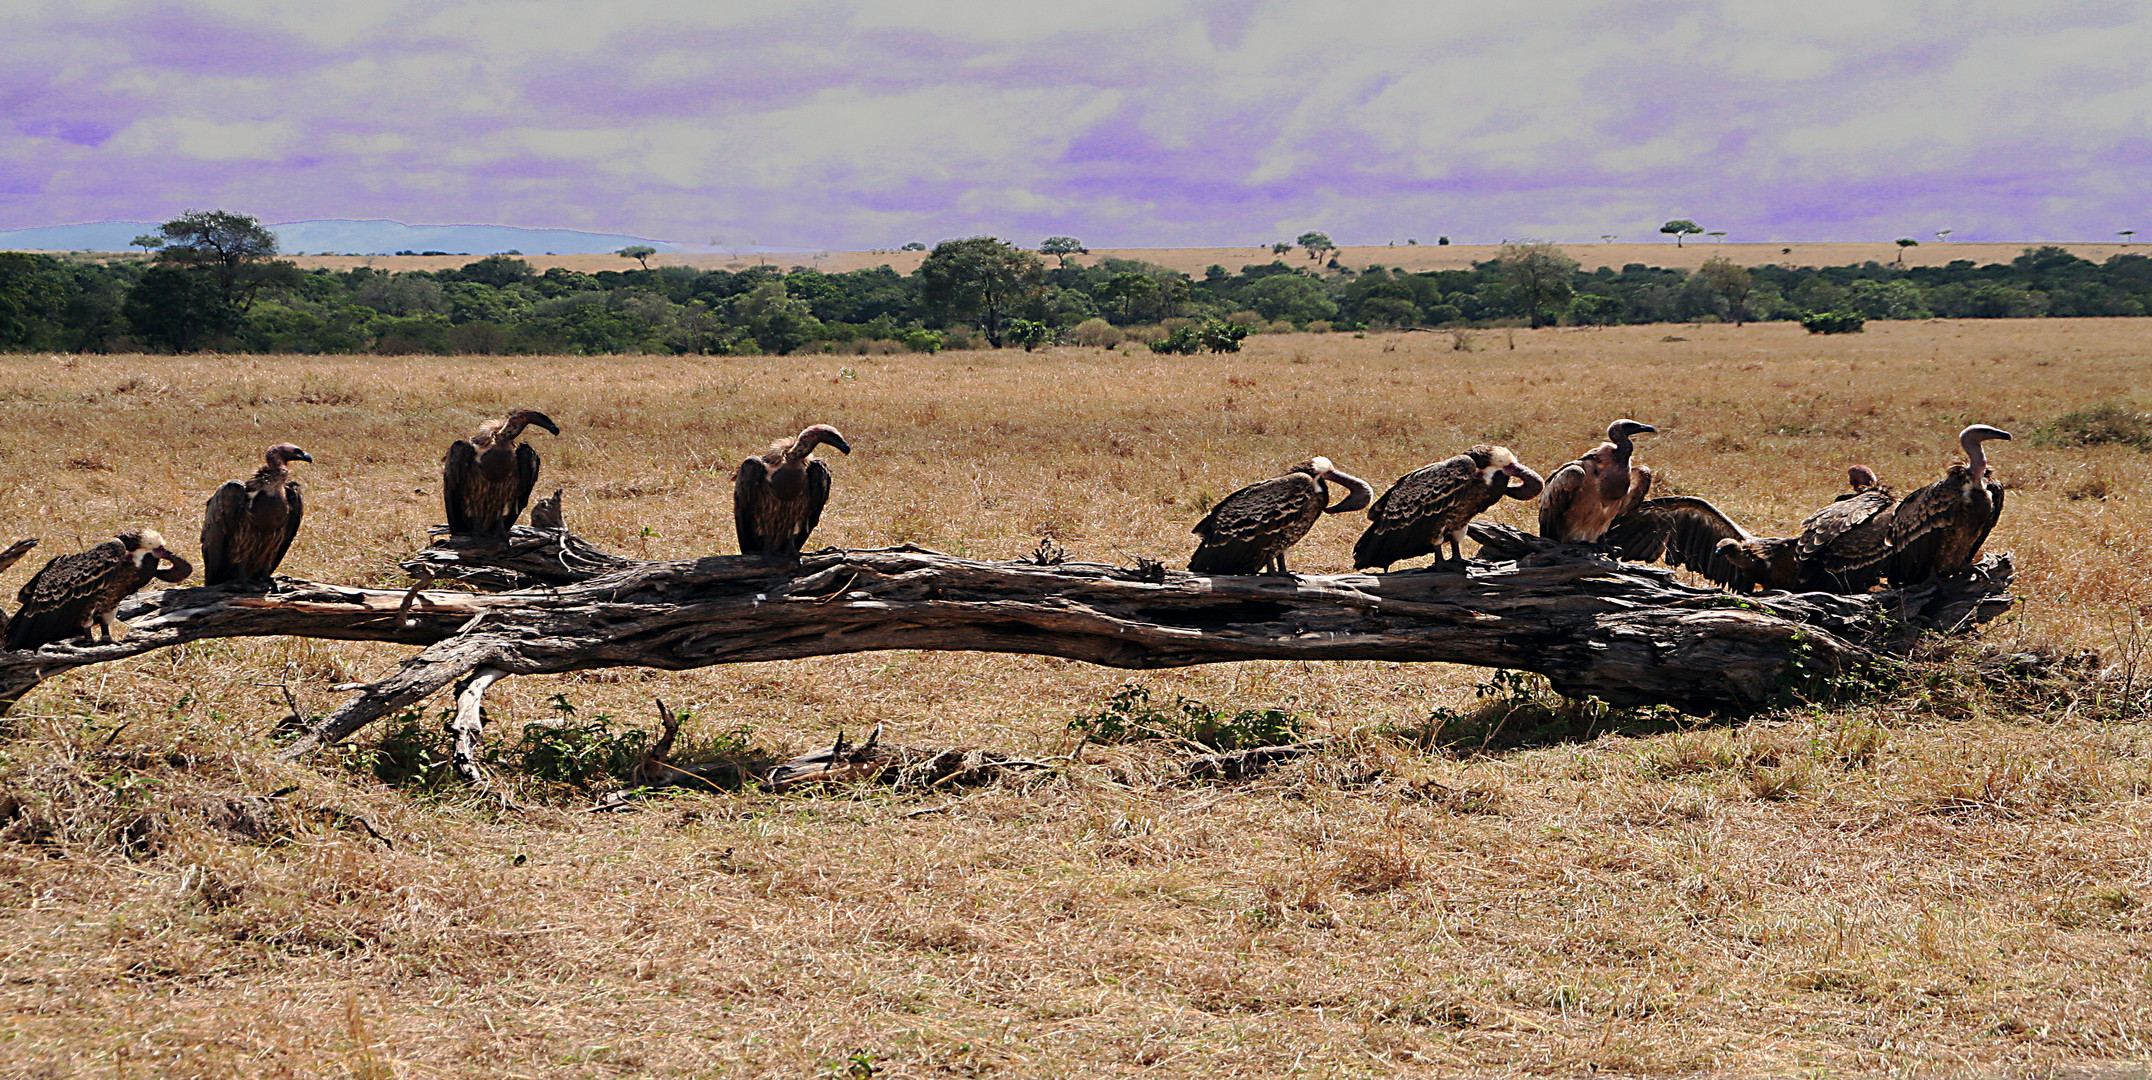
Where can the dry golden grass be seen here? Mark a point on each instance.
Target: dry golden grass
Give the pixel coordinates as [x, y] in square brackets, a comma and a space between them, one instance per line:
[1950, 882]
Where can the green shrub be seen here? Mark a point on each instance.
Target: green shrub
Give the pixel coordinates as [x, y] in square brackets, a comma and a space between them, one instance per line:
[1129, 716]
[1834, 322]
[578, 752]
[1210, 335]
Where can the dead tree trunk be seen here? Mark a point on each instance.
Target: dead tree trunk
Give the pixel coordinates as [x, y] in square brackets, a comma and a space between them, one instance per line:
[1627, 634]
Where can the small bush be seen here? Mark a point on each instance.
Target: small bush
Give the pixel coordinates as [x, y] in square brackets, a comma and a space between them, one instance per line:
[1027, 334]
[926, 341]
[1210, 335]
[1834, 322]
[578, 753]
[1129, 716]
[2103, 424]
[1095, 334]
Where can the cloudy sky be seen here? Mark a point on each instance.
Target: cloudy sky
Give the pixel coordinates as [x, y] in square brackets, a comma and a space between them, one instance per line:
[1140, 123]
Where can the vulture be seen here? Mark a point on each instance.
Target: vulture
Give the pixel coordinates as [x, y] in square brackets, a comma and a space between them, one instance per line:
[1249, 530]
[1584, 497]
[1844, 546]
[247, 527]
[1435, 502]
[1937, 531]
[1685, 531]
[486, 479]
[76, 592]
[777, 498]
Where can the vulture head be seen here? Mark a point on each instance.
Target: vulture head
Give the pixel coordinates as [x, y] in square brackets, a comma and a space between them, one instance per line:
[522, 418]
[1498, 461]
[822, 435]
[1620, 431]
[145, 547]
[1358, 492]
[1976, 456]
[1862, 478]
[1772, 562]
[285, 453]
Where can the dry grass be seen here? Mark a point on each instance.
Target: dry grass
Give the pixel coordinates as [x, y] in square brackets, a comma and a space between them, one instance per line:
[1952, 882]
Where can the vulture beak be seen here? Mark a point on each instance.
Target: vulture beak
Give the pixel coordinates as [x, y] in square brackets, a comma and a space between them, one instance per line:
[303, 456]
[1358, 492]
[546, 422]
[837, 441]
[1529, 483]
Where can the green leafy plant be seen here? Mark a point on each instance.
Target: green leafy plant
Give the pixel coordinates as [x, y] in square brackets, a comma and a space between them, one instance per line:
[1131, 716]
[1210, 335]
[1834, 322]
[2102, 424]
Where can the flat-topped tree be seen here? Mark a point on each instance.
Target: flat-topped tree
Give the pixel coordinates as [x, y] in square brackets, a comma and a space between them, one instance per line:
[1680, 227]
[639, 252]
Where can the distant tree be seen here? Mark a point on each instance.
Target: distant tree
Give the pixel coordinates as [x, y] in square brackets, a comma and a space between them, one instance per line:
[1280, 248]
[639, 252]
[2125, 234]
[1608, 238]
[1716, 234]
[1540, 277]
[1442, 241]
[1063, 247]
[147, 242]
[1127, 288]
[495, 270]
[981, 279]
[779, 322]
[1680, 227]
[236, 251]
[913, 246]
[1905, 242]
[1731, 283]
[30, 292]
[1315, 244]
[1943, 234]
[1029, 333]
[175, 310]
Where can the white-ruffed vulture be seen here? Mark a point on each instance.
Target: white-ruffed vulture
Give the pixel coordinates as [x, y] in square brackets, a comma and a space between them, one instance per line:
[1249, 531]
[247, 527]
[74, 593]
[777, 498]
[1586, 496]
[1845, 547]
[486, 480]
[1937, 531]
[1434, 503]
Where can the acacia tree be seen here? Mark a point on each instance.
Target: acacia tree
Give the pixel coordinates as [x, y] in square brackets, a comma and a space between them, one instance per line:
[1732, 283]
[1063, 247]
[1680, 227]
[1315, 244]
[1905, 242]
[235, 251]
[1540, 277]
[639, 252]
[981, 279]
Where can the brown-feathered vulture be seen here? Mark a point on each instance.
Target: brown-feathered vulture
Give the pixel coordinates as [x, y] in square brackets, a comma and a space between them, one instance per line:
[1685, 531]
[1937, 531]
[247, 527]
[1584, 497]
[1845, 547]
[777, 498]
[1434, 503]
[76, 592]
[486, 480]
[8, 558]
[1249, 531]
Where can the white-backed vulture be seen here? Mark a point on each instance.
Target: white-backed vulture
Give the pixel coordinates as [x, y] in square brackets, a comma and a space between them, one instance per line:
[1937, 531]
[1435, 502]
[1249, 531]
[777, 498]
[74, 593]
[1586, 496]
[247, 527]
[1844, 547]
[486, 480]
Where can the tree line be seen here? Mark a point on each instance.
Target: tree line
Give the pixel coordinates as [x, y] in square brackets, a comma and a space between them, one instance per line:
[214, 281]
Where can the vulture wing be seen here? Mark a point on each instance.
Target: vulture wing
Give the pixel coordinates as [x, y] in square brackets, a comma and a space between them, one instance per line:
[1410, 518]
[817, 497]
[750, 489]
[1639, 489]
[526, 479]
[459, 470]
[224, 515]
[1250, 526]
[1825, 526]
[1680, 530]
[1560, 493]
[295, 504]
[1922, 525]
[58, 600]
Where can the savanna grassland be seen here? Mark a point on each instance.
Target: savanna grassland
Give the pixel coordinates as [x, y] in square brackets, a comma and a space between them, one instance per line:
[1948, 879]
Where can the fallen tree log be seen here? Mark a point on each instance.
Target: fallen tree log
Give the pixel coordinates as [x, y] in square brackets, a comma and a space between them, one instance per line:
[1627, 634]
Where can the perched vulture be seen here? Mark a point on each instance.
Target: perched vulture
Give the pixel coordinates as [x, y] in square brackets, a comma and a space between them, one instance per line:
[1435, 502]
[1685, 531]
[76, 592]
[1584, 497]
[1249, 530]
[247, 527]
[8, 558]
[777, 498]
[1844, 547]
[486, 480]
[1937, 531]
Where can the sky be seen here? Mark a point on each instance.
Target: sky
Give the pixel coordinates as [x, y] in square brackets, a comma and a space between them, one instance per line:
[1124, 123]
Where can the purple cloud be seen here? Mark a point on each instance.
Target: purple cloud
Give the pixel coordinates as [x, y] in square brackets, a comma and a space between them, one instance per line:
[1227, 122]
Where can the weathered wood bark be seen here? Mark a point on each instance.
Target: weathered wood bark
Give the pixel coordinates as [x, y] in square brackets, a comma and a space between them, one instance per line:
[1628, 634]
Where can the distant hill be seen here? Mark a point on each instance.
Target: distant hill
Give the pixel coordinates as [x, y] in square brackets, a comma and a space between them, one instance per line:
[356, 237]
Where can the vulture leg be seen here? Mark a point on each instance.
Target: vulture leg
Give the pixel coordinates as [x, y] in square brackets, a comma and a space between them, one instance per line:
[115, 630]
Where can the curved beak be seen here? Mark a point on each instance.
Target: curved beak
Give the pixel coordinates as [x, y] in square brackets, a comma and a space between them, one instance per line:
[1529, 484]
[838, 442]
[546, 422]
[1358, 493]
[303, 456]
[1646, 429]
